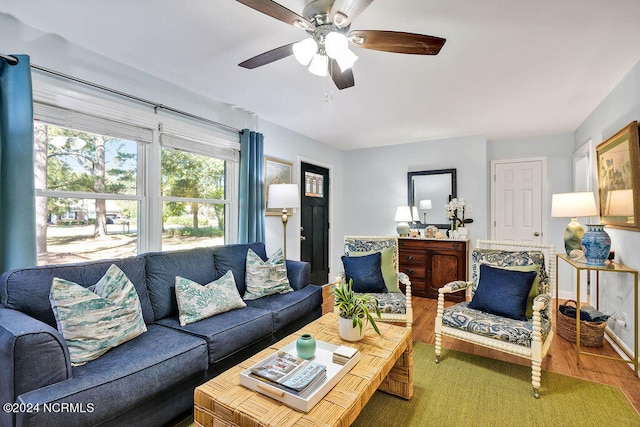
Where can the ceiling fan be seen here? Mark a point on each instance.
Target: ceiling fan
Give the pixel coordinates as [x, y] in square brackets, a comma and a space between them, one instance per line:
[328, 24]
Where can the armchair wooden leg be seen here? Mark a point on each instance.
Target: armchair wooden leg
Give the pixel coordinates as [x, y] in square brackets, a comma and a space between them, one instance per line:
[438, 326]
[536, 371]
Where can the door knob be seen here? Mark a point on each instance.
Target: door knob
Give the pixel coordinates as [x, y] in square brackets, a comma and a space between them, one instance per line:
[536, 233]
[303, 238]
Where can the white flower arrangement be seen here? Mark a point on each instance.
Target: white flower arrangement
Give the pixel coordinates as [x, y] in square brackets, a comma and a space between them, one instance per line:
[455, 209]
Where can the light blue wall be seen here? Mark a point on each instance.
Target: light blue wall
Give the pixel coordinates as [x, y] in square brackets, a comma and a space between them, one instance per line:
[294, 148]
[619, 108]
[376, 181]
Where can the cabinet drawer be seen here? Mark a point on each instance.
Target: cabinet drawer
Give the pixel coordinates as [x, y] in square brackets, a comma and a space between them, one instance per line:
[415, 273]
[411, 257]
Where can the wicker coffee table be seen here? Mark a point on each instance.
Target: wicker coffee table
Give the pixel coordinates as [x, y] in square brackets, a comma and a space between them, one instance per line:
[386, 364]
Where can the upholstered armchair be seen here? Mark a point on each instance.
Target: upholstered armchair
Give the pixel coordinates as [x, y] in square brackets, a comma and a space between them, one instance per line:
[518, 325]
[395, 306]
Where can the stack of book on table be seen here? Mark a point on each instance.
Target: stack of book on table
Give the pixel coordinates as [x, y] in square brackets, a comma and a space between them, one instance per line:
[290, 373]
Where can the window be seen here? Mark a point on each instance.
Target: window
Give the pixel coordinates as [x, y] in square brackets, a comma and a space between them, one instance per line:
[109, 185]
[87, 198]
[193, 199]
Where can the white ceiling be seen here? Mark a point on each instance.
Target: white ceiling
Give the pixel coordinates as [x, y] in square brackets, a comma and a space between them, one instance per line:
[509, 68]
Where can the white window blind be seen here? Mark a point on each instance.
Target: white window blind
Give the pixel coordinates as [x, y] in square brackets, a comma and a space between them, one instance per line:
[196, 146]
[88, 123]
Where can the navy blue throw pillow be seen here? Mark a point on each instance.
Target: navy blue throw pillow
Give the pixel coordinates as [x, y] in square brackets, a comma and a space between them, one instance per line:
[503, 292]
[365, 272]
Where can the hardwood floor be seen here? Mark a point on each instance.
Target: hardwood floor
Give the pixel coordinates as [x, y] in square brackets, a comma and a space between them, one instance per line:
[561, 357]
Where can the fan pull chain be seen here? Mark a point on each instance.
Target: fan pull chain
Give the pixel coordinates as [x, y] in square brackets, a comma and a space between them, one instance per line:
[328, 90]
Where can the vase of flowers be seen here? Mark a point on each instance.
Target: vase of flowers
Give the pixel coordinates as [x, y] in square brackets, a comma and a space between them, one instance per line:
[455, 212]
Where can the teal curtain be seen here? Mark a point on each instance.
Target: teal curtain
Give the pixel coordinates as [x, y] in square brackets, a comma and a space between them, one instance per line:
[17, 194]
[251, 215]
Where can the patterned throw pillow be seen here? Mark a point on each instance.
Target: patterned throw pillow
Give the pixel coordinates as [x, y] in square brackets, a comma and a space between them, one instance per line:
[266, 277]
[93, 322]
[197, 302]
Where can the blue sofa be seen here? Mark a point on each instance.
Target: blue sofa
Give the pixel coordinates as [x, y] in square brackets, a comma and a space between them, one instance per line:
[148, 381]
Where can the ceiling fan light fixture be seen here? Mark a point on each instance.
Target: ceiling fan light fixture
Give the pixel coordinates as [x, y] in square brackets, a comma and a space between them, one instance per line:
[336, 44]
[304, 50]
[346, 60]
[319, 65]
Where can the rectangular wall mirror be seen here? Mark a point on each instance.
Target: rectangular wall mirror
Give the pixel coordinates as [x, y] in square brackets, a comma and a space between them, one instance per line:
[437, 185]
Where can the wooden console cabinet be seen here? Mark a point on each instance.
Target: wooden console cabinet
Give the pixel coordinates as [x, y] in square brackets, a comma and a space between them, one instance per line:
[432, 263]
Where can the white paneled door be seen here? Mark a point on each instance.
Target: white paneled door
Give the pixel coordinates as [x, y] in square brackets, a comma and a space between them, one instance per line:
[518, 200]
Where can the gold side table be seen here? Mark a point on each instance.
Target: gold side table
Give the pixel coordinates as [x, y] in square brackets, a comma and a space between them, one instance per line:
[609, 268]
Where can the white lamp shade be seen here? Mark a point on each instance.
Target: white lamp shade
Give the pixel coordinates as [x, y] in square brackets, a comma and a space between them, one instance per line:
[304, 50]
[319, 65]
[283, 196]
[619, 203]
[335, 43]
[425, 204]
[346, 59]
[403, 214]
[570, 205]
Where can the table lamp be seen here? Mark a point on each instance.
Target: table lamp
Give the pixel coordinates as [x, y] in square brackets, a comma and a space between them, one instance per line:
[405, 215]
[573, 205]
[425, 205]
[284, 196]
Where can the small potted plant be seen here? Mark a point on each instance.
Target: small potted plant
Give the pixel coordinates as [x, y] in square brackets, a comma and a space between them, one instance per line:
[353, 310]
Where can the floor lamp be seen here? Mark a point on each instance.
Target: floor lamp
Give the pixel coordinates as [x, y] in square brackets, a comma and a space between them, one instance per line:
[283, 196]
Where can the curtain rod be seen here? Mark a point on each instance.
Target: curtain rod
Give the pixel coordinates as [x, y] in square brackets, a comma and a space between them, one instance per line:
[156, 105]
[12, 60]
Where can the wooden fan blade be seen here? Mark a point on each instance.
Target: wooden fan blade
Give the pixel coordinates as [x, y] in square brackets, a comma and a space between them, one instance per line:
[279, 12]
[343, 12]
[343, 80]
[395, 41]
[268, 57]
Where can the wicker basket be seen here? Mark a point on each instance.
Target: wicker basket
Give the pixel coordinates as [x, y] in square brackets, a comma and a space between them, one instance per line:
[591, 333]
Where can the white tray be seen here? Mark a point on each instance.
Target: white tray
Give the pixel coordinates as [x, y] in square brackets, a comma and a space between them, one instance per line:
[324, 355]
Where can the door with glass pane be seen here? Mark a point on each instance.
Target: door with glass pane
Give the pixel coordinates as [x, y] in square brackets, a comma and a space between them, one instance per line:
[314, 221]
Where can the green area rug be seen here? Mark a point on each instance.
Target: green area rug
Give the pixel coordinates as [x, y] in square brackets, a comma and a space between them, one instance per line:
[467, 390]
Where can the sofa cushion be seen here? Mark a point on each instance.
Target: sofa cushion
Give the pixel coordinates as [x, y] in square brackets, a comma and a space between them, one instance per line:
[162, 269]
[124, 378]
[365, 272]
[265, 277]
[233, 257]
[197, 302]
[519, 332]
[503, 292]
[229, 332]
[93, 321]
[289, 307]
[27, 289]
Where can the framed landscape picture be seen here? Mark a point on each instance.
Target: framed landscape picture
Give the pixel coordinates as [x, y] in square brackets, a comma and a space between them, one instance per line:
[618, 179]
[275, 172]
